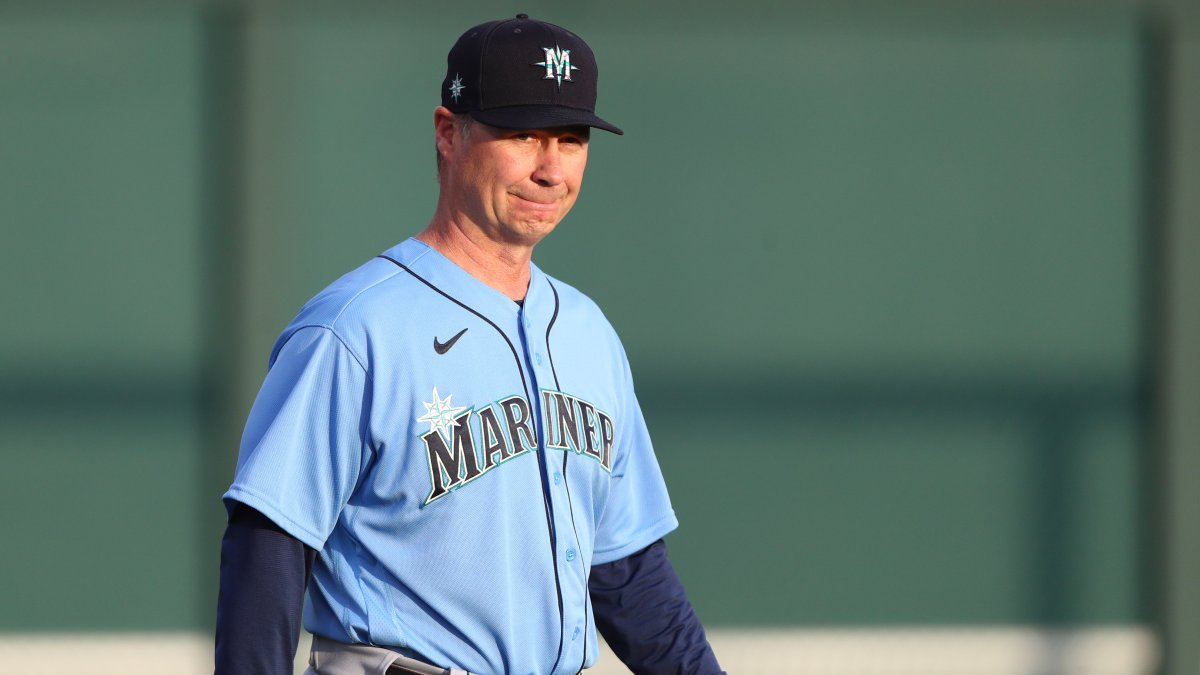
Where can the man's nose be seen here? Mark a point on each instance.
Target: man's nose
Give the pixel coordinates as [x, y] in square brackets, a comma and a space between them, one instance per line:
[549, 167]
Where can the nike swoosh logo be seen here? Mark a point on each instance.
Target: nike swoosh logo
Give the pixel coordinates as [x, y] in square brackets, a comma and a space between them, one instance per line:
[443, 347]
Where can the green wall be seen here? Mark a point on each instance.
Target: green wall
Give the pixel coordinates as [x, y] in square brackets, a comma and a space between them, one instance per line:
[99, 355]
[882, 275]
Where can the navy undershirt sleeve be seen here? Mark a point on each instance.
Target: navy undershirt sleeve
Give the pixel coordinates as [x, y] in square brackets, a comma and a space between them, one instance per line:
[264, 572]
[646, 618]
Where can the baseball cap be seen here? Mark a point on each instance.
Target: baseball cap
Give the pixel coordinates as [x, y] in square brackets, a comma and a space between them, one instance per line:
[522, 73]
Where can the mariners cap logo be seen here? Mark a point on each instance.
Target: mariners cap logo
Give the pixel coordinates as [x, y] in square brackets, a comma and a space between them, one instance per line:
[557, 63]
[456, 87]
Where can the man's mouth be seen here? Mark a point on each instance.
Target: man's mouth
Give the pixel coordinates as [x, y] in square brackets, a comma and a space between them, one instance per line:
[539, 201]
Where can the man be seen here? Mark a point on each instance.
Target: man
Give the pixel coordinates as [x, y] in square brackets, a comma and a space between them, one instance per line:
[447, 450]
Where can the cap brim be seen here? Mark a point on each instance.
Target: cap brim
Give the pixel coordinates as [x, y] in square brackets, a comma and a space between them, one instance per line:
[541, 117]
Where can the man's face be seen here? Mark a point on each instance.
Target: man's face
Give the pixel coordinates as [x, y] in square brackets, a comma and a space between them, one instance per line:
[515, 186]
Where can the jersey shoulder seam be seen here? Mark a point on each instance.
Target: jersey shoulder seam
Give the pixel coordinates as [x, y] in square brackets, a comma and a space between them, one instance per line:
[334, 333]
[350, 301]
[331, 326]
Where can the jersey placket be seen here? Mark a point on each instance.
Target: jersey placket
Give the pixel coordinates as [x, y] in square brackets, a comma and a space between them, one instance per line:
[572, 579]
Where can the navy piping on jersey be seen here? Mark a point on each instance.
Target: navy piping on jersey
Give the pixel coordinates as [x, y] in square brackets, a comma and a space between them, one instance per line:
[543, 466]
[567, 483]
[458, 302]
[562, 616]
[546, 499]
[553, 318]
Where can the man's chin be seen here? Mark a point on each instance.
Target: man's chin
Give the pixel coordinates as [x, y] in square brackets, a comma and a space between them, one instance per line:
[531, 231]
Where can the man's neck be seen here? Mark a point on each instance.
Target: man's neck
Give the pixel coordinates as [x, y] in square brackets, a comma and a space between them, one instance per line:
[502, 266]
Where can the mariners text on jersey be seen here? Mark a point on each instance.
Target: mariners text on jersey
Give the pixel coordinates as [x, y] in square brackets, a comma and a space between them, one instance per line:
[478, 441]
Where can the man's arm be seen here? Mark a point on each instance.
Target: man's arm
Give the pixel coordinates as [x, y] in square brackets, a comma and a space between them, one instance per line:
[264, 572]
[646, 618]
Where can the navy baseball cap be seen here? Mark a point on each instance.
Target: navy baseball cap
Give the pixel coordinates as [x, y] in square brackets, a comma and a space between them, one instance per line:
[523, 74]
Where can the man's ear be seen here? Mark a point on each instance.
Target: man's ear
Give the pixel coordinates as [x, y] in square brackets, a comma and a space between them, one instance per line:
[444, 134]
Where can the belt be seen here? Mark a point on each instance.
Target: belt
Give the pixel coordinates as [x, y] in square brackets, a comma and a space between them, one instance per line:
[407, 666]
[337, 658]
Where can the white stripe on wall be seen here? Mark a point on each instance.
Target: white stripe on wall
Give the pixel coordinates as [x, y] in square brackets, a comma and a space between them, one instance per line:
[1117, 650]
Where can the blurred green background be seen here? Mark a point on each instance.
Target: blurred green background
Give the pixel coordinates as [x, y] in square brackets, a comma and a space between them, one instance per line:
[909, 289]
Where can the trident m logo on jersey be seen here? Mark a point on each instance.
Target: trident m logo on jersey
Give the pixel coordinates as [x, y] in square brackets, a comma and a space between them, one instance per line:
[558, 64]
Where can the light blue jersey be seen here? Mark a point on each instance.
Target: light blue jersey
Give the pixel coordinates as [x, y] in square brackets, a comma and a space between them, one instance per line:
[459, 460]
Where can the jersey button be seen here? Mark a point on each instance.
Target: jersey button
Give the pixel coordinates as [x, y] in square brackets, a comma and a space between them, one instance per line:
[575, 633]
[557, 478]
[570, 554]
[538, 357]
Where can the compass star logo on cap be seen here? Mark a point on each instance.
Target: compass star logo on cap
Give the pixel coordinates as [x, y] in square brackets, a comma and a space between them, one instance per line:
[457, 86]
[557, 64]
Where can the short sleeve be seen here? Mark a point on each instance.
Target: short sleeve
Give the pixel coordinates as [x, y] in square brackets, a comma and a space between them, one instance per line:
[305, 441]
[638, 511]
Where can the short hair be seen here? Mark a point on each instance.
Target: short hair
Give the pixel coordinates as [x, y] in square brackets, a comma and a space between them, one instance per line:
[464, 122]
